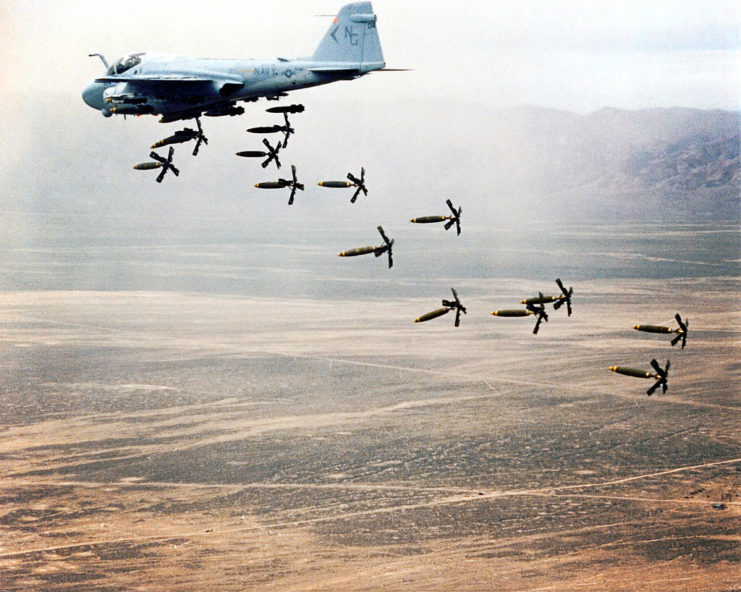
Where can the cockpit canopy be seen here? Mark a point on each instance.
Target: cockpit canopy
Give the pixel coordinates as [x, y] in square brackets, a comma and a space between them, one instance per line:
[125, 63]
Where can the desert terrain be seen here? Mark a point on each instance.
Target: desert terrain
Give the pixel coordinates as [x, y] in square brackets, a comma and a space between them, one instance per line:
[184, 441]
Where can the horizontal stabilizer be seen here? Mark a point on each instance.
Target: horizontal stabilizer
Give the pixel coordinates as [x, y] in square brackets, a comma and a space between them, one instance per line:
[335, 70]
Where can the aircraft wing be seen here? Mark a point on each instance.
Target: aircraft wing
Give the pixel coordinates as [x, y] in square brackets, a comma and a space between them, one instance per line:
[154, 79]
[173, 82]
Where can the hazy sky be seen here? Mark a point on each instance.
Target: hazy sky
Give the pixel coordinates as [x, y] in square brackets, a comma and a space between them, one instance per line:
[575, 55]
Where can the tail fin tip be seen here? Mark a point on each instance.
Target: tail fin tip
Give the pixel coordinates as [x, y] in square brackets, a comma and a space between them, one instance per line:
[352, 38]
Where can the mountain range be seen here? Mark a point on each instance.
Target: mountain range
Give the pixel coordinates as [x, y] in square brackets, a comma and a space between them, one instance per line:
[674, 164]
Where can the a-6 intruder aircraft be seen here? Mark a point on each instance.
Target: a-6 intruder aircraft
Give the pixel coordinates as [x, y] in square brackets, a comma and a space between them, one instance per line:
[184, 87]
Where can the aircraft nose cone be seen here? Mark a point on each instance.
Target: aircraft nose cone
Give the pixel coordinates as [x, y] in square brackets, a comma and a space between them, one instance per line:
[92, 94]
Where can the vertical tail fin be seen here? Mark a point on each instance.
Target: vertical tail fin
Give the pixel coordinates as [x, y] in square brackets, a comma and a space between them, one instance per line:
[352, 38]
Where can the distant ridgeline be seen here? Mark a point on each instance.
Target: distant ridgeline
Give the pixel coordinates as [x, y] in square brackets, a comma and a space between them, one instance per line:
[671, 164]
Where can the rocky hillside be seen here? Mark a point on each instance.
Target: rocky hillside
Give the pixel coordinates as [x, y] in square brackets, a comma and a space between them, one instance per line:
[697, 162]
